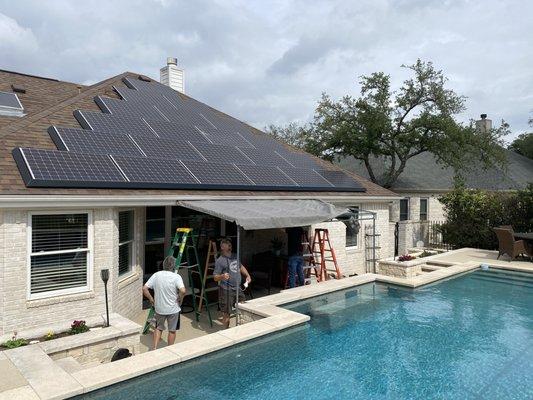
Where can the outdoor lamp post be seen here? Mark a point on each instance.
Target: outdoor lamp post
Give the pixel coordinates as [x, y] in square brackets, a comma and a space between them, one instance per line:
[104, 274]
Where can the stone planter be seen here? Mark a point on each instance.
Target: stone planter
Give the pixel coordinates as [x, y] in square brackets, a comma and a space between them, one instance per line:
[407, 269]
[96, 345]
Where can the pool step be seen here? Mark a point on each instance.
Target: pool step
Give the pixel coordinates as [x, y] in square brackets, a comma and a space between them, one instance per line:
[507, 279]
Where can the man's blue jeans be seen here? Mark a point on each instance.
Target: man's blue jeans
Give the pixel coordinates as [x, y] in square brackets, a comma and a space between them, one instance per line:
[295, 265]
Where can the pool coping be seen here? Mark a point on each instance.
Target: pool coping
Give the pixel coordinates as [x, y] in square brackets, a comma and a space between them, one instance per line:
[49, 381]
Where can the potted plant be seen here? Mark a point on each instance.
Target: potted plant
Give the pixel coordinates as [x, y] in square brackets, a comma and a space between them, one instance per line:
[406, 257]
[277, 244]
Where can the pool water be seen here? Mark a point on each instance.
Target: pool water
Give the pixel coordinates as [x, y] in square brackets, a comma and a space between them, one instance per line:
[470, 337]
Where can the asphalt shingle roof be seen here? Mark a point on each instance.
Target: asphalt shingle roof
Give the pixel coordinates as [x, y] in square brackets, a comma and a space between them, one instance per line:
[422, 172]
[54, 104]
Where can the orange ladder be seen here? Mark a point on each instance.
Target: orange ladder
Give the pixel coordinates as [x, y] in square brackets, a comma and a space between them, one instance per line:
[209, 283]
[326, 254]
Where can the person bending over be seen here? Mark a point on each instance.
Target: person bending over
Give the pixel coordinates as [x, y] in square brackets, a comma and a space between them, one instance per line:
[169, 291]
[228, 275]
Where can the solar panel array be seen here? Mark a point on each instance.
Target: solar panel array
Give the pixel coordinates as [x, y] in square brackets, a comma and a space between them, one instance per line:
[155, 137]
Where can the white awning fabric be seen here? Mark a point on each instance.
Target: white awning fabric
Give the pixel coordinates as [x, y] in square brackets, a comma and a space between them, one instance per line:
[267, 214]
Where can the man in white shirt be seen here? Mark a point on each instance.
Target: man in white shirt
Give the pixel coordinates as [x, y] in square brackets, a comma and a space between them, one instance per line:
[169, 291]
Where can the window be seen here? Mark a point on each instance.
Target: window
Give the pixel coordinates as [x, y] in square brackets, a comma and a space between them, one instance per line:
[352, 228]
[125, 242]
[404, 209]
[423, 209]
[60, 247]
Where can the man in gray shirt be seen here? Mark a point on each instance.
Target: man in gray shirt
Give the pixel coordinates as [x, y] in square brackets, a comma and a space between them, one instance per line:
[228, 275]
[169, 291]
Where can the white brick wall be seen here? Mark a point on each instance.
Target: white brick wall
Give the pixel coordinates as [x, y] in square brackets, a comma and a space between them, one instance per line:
[352, 260]
[20, 314]
[435, 208]
[129, 287]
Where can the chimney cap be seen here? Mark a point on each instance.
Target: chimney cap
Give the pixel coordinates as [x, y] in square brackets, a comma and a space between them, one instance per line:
[172, 61]
[483, 116]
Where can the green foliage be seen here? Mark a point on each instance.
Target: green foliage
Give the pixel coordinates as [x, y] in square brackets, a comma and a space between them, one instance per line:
[425, 253]
[15, 342]
[523, 145]
[50, 335]
[11, 344]
[471, 215]
[397, 125]
[78, 327]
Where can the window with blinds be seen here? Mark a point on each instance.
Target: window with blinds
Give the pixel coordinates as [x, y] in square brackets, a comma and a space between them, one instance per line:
[352, 229]
[59, 255]
[125, 239]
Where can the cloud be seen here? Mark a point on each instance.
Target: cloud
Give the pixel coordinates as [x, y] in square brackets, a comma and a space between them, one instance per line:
[15, 38]
[268, 62]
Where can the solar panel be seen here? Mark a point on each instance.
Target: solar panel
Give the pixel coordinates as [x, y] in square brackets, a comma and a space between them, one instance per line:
[218, 175]
[341, 180]
[112, 123]
[153, 171]
[306, 177]
[264, 157]
[221, 154]
[266, 175]
[298, 160]
[155, 137]
[55, 168]
[169, 149]
[225, 137]
[91, 142]
[132, 107]
[181, 132]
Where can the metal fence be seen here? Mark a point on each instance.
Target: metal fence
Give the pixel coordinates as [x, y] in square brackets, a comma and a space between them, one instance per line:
[418, 234]
[429, 232]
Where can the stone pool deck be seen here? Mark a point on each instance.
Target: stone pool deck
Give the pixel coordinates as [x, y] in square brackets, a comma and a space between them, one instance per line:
[28, 373]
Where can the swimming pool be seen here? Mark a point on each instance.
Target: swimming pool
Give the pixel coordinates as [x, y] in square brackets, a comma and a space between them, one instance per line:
[470, 337]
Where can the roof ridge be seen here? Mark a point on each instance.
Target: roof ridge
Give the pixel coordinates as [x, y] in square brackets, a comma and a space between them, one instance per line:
[16, 125]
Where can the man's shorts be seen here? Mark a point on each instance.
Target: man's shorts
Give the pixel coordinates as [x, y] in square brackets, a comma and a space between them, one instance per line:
[173, 322]
[226, 299]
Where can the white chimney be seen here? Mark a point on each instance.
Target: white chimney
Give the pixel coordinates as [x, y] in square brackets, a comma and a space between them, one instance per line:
[484, 125]
[172, 76]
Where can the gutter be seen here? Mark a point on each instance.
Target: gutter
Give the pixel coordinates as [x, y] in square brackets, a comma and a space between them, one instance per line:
[50, 201]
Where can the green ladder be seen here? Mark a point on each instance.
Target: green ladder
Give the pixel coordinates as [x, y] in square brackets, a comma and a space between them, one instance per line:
[183, 247]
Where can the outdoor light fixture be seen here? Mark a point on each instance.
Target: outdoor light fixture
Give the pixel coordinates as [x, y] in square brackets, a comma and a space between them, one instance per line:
[104, 274]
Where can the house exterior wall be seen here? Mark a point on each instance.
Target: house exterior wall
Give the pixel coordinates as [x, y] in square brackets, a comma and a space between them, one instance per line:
[435, 207]
[352, 260]
[19, 313]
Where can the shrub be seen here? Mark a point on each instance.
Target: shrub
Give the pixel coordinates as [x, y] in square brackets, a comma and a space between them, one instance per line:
[471, 215]
[406, 257]
[14, 342]
[78, 327]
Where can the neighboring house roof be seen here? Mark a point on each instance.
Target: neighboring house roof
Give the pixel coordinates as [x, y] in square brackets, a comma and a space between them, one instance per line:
[423, 173]
[53, 103]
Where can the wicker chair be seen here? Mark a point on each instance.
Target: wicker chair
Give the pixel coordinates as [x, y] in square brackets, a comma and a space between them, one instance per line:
[507, 244]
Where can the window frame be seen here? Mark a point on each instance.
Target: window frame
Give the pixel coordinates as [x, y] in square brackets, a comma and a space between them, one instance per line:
[89, 251]
[131, 268]
[356, 246]
[408, 200]
[426, 199]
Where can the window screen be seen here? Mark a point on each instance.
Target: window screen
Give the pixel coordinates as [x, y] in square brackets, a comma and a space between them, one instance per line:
[423, 209]
[125, 238]
[59, 252]
[352, 228]
[404, 209]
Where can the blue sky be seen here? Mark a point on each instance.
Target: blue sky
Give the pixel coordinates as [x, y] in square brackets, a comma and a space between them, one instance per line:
[268, 61]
